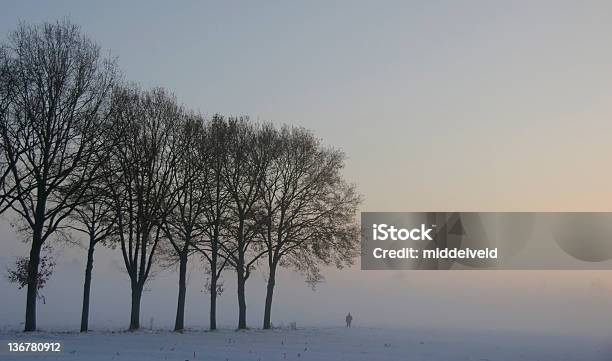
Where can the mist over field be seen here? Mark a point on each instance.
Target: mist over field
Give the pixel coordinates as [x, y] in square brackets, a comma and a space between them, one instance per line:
[566, 302]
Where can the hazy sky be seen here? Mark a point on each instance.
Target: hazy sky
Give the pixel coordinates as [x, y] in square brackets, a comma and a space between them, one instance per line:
[474, 105]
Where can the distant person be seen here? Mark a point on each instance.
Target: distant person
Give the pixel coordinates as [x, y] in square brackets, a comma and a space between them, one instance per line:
[349, 319]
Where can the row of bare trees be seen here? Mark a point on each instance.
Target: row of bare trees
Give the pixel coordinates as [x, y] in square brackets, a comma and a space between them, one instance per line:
[83, 154]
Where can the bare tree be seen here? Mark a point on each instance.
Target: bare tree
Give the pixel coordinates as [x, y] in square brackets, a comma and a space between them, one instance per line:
[216, 210]
[142, 187]
[248, 153]
[184, 224]
[308, 209]
[58, 99]
[94, 218]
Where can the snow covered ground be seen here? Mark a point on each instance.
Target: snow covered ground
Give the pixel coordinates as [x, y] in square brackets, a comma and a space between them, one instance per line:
[314, 344]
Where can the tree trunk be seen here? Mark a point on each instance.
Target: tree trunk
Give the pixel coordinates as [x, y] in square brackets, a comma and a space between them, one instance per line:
[241, 300]
[269, 293]
[34, 261]
[213, 302]
[135, 311]
[180, 308]
[87, 288]
[213, 287]
[32, 294]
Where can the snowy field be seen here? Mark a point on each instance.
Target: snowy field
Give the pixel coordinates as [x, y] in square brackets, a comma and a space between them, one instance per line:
[314, 344]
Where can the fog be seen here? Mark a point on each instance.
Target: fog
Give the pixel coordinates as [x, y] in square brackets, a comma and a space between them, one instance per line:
[573, 302]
